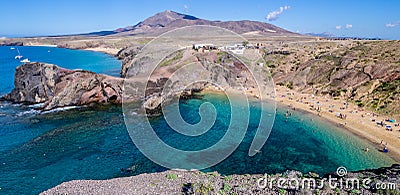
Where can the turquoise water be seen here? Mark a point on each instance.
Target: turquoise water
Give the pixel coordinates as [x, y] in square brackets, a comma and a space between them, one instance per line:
[39, 151]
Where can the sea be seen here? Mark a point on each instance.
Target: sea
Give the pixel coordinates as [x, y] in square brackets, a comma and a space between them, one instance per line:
[39, 150]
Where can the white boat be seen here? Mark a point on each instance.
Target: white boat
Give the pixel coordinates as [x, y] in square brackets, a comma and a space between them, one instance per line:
[26, 60]
[19, 56]
[12, 48]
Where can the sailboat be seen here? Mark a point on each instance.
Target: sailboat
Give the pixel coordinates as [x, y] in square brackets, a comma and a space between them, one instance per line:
[26, 60]
[17, 57]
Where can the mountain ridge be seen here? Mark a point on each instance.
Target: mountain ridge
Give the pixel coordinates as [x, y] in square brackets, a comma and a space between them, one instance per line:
[169, 20]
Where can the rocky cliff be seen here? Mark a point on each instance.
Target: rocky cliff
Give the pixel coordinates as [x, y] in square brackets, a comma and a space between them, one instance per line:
[11, 43]
[57, 87]
[365, 72]
[126, 56]
[215, 67]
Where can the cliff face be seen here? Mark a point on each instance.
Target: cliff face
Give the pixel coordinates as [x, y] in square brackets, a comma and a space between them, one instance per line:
[126, 56]
[217, 67]
[11, 43]
[34, 83]
[365, 72]
[58, 87]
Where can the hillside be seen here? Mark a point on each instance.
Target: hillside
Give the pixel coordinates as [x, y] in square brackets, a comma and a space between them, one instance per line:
[364, 72]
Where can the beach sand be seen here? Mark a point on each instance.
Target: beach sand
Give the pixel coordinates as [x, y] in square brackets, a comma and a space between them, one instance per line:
[38, 44]
[107, 50]
[357, 120]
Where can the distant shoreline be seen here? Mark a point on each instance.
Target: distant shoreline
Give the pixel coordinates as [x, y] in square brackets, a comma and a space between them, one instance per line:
[110, 51]
[106, 50]
[43, 45]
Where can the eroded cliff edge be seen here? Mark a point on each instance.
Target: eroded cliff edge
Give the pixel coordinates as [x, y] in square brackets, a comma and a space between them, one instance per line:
[59, 87]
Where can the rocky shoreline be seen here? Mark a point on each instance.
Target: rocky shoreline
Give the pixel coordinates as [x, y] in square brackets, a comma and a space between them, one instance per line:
[196, 182]
[12, 43]
[56, 87]
[59, 87]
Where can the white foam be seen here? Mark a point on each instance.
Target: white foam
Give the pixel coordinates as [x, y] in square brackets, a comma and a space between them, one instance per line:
[60, 109]
[31, 111]
[36, 105]
[16, 105]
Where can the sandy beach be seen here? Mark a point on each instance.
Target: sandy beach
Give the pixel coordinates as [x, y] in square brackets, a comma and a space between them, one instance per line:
[39, 44]
[362, 123]
[107, 50]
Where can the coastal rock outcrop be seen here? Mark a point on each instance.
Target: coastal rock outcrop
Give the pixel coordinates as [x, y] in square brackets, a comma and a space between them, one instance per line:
[126, 56]
[58, 87]
[11, 43]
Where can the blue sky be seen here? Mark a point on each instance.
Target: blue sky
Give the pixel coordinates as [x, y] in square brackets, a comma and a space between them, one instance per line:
[368, 18]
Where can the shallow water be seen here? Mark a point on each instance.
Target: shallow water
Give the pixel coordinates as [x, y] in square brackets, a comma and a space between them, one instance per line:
[39, 151]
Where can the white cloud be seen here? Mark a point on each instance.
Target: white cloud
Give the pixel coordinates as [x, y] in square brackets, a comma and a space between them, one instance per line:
[185, 8]
[347, 26]
[275, 14]
[393, 24]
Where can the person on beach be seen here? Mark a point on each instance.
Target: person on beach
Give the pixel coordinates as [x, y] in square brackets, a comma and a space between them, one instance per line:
[385, 150]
